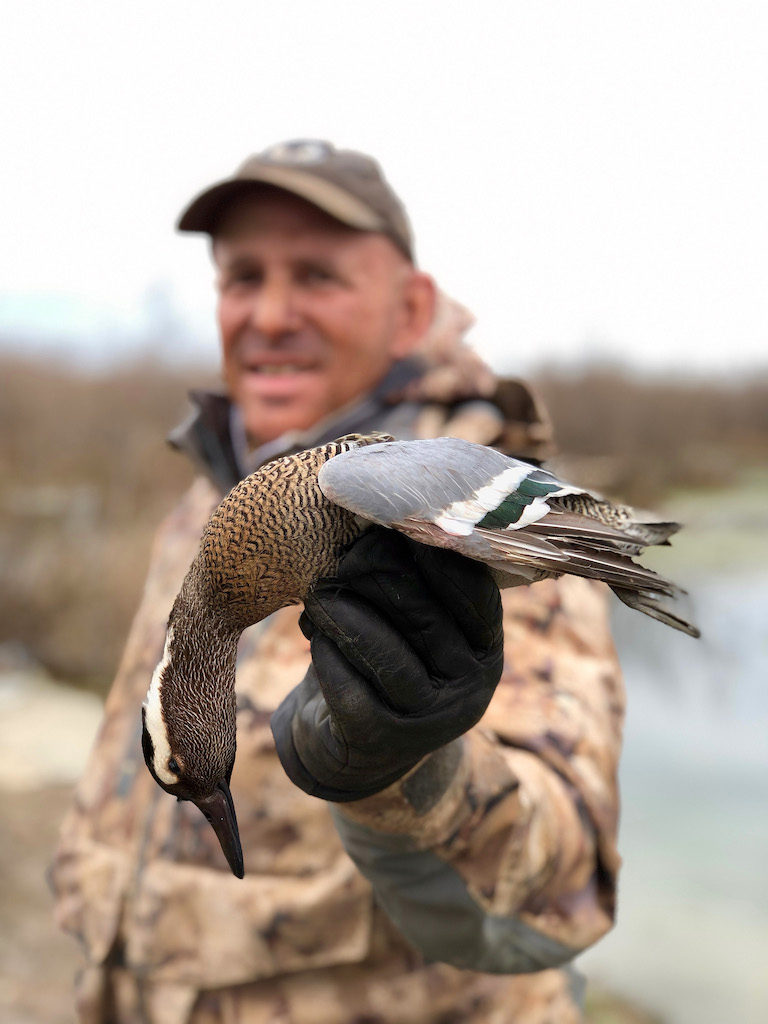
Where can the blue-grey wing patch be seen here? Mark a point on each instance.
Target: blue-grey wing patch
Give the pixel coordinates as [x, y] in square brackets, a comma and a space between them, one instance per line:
[452, 483]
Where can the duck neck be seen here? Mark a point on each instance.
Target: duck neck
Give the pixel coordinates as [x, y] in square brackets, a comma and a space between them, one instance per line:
[205, 635]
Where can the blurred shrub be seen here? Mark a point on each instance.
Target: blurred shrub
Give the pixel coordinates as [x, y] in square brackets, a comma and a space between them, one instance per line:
[85, 477]
[639, 437]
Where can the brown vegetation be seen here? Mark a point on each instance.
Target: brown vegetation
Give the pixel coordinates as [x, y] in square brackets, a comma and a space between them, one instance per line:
[85, 477]
[639, 438]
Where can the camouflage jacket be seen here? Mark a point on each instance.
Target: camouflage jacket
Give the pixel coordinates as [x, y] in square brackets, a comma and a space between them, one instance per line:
[420, 904]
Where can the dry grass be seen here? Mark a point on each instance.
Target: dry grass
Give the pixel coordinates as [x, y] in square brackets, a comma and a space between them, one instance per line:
[603, 1007]
[37, 962]
[85, 477]
[642, 437]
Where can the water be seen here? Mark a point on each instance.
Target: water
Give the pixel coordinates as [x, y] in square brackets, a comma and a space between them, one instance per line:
[692, 934]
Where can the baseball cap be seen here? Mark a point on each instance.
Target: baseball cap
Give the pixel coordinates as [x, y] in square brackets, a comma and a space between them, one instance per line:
[348, 185]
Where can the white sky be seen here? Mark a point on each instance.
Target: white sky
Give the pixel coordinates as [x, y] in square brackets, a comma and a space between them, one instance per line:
[586, 176]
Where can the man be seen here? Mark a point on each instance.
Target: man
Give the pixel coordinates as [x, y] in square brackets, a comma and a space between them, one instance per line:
[448, 870]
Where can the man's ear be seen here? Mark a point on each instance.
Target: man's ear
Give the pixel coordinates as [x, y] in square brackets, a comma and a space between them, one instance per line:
[417, 311]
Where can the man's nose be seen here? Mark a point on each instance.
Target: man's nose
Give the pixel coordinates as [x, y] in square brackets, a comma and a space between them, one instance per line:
[274, 311]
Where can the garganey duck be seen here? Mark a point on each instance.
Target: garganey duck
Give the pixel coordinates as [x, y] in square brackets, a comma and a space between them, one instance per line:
[285, 526]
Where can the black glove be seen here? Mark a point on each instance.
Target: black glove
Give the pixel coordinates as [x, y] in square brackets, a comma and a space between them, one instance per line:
[407, 649]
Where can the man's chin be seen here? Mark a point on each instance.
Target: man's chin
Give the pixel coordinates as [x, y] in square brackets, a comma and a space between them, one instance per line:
[268, 419]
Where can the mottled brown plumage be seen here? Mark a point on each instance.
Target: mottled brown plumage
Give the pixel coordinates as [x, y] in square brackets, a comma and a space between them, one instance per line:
[273, 535]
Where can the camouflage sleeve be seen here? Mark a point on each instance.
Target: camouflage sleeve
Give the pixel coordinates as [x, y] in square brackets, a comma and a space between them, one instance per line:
[498, 852]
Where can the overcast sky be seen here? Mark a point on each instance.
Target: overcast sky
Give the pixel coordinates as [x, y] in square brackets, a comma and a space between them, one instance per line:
[588, 177]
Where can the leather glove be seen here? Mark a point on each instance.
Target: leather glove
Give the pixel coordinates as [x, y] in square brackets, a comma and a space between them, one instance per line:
[407, 649]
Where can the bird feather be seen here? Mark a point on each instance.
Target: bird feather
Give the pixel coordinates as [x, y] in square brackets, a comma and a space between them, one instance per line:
[520, 519]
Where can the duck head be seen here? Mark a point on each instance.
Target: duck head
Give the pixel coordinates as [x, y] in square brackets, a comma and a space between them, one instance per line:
[188, 729]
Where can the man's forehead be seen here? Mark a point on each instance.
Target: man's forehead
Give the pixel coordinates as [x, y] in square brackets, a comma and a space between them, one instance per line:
[285, 227]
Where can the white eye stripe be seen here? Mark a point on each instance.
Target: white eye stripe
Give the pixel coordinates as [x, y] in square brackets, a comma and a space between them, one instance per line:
[154, 721]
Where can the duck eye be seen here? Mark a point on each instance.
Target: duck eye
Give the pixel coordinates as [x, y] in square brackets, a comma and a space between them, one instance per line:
[173, 766]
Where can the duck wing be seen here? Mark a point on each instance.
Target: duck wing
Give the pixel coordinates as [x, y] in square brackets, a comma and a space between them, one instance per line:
[519, 519]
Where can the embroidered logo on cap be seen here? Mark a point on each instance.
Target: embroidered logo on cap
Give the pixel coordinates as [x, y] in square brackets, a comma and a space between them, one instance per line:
[299, 151]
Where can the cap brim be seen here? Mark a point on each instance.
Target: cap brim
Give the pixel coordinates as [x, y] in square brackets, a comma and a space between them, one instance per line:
[204, 212]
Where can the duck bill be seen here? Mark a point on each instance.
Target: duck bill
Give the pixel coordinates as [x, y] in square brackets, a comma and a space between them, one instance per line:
[219, 810]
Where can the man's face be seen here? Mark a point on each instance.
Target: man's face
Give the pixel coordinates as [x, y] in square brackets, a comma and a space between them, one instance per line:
[312, 314]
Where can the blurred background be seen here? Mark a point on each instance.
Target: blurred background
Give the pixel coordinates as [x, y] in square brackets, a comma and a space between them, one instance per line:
[589, 179]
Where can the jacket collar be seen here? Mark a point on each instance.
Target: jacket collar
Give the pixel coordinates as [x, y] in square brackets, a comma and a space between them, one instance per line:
[214, 437]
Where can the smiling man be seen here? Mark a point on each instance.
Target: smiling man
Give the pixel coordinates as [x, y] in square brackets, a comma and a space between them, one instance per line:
[312, 313]
[424, 845]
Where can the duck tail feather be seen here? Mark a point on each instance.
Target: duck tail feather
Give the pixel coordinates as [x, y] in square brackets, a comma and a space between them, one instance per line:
[653, 533]
[647, 602]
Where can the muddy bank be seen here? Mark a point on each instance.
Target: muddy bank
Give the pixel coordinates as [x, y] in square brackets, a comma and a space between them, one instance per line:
[37, 963]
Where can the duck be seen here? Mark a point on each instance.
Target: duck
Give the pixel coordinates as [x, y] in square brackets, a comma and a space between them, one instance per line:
[285, 527]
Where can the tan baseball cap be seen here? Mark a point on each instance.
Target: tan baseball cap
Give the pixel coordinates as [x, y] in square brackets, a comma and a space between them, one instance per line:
[348, 185]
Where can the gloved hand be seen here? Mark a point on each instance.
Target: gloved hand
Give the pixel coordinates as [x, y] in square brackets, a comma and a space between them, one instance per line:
[407, 649]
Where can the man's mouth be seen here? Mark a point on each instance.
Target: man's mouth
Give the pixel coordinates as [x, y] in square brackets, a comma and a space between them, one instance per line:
[279, 380]
[278, 369]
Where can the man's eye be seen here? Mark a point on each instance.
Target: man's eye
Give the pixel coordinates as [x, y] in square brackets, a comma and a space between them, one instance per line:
[247, 277]
[244, 278]
[173, 766]
[314, 274]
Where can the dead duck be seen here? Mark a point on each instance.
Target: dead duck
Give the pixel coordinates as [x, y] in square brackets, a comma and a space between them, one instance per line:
[285, 526]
